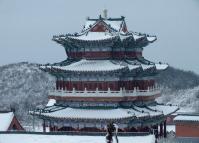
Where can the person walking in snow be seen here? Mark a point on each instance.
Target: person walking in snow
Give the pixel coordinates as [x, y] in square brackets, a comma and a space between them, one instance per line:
[110, 129]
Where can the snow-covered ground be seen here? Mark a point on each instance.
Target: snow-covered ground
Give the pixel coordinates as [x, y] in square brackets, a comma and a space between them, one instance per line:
[32, 138]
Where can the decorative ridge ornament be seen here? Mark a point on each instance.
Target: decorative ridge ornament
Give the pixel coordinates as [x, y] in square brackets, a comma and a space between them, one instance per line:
[105, 16]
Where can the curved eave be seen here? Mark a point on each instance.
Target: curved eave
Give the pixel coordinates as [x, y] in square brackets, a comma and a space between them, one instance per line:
[79, 42]
[59, 40]
[135, 69]
[140, 40]
[151, 39]
[144, 61]
[151, 113]
[138, 70]
[155, 69]
[97, 119]
[148, 67]
[161, 67]
[130, 114]
[76, 39]
[166, 109]
[151, 66]
[76, 118]
[126, 37]
[146, 70]
[58, 70]
[146, 38]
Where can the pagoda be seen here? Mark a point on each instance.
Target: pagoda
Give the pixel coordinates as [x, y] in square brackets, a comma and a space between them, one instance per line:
[105, 79]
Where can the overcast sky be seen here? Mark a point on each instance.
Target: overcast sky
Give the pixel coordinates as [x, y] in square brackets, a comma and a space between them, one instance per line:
[27, 27]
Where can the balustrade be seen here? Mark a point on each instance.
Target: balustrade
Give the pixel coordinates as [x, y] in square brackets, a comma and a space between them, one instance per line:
[121, 93]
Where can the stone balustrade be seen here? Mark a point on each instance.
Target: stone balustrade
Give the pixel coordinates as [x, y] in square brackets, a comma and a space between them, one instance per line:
[109, 93]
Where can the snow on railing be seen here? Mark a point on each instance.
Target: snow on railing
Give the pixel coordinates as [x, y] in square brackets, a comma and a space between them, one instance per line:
[109, 93]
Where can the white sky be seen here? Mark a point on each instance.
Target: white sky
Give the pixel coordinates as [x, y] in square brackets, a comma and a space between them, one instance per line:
[27, 27]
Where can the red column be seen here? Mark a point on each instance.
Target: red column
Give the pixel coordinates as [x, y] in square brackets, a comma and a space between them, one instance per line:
[106, 86]
[50, 127]
[70, 85]
[56, 128]
[79, 85]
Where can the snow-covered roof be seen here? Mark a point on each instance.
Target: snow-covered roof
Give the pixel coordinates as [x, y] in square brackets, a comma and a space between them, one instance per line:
[105, 65]
[187, 118]
[123, 37]
[36, 138]
[132, 67]
[107, 114]
[114, 24]
[89, 23]
[51, 102]
[145, 64]
[136, 36]
[74, 113]
[184, 110]
[150, 112]
[93, 36]
[145, 67]
[165, 109]
[98, 29]
[151, 38]
[161, 66]
[5, 120]
[91, 65]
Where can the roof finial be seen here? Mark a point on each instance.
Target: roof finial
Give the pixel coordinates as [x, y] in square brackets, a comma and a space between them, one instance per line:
[105, 13]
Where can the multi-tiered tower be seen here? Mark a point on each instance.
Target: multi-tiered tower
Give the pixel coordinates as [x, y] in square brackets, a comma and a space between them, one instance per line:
[104, 79]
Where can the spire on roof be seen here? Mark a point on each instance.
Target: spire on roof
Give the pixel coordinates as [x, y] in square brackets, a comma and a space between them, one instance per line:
[105, 13]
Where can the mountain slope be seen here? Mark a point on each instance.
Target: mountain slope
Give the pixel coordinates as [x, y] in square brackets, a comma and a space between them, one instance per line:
[179, 87]
[23, 86]
[177, 79]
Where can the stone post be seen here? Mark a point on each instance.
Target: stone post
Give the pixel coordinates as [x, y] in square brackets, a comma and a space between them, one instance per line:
[44, 126]
[161, 129]
[165, 129]
[156, 131]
